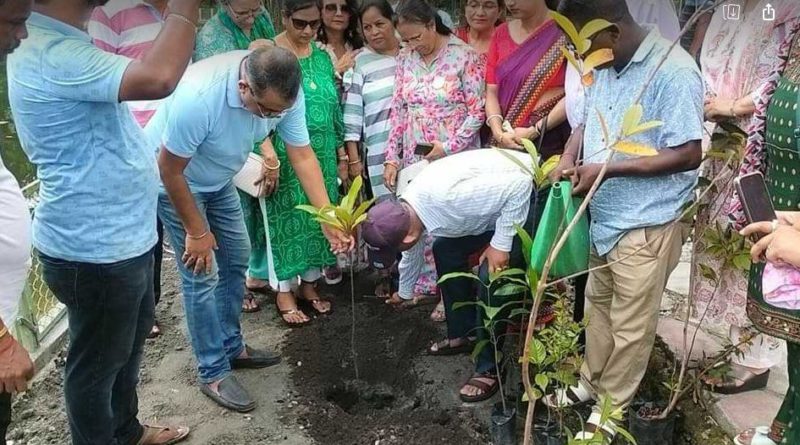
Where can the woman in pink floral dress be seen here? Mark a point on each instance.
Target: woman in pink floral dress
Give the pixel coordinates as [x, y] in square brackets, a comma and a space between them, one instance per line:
[438, 99]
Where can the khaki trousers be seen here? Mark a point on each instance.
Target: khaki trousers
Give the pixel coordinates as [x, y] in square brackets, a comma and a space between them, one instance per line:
[622, 305]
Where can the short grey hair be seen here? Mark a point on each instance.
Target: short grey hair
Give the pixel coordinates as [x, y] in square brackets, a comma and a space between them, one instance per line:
[275, 69]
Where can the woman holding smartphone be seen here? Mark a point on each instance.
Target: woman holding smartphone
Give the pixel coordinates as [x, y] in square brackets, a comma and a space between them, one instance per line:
[438, 100]
[773, 150]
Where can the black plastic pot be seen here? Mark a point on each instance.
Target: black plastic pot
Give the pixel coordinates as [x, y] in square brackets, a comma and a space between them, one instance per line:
[503, 425]
[651, 430]
[548, 432]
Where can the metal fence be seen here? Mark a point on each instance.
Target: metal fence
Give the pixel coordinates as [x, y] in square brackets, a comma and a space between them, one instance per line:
[39, 311]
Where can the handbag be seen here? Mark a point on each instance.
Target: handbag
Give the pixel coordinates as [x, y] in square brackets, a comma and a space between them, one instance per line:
[560, 209]
[250, 173]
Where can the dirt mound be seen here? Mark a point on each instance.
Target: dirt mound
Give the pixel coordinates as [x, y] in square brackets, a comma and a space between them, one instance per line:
[394, 400]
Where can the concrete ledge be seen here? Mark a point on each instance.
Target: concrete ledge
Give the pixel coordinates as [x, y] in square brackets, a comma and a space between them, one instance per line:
[50, 345]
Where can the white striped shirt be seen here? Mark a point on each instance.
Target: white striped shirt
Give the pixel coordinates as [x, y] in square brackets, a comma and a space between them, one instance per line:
[128, 28]
[369, 87]
[467, 194]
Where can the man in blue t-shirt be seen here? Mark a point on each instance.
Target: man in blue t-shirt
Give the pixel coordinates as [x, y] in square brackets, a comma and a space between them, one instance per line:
[636, 240]
[94, 227]
[205, 132]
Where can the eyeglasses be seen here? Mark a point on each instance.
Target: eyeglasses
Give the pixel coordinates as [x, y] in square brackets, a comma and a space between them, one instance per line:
[241, 15]
[300, 25]
[261, 113]
[334, 8]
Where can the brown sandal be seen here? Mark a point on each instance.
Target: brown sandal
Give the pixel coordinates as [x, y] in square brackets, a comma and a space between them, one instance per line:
[489, 390]
[293, 311]
[151, 433]
[311, 304]
[249, 296]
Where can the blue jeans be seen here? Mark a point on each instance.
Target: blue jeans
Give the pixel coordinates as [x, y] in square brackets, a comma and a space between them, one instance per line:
[213, 302]
[110, 309]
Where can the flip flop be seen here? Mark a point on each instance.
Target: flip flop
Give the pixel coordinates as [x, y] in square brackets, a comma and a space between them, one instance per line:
[295, 311]
[489, 390]
[739, 381]
[250, 296]
[152, 432]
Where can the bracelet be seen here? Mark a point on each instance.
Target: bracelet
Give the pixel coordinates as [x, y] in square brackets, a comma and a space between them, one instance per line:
[197, 237]
[184, 19]
[392, 163]
[733, 108]
[3, 332]
[489, 119]
[357, 161]
[277, 167]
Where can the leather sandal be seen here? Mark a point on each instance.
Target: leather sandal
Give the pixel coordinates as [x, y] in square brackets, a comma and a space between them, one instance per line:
[152, 432]
[740, 380]
[487, 390]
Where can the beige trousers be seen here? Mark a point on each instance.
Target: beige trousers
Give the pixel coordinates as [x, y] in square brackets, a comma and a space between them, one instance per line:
[622, 306]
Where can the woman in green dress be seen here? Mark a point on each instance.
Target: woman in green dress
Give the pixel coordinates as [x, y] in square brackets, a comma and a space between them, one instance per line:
[236, 26]
[774, 150]
[298, 246]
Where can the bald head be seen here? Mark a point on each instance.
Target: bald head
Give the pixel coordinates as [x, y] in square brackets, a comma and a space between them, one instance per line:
[13, 14]
[275, 69]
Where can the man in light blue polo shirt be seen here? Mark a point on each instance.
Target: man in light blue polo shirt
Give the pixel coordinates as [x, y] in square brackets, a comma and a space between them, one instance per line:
[633, 210]
[206, 131]
[94, 226]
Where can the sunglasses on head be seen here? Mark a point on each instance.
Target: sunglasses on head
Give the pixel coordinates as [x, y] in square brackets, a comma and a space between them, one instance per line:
[333, 8]
[300, 25]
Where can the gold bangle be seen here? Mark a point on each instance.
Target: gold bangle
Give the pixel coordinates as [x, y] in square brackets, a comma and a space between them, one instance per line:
[357, 161]
[3, 332]
[184, 19]
[199, 237]
[273, 168]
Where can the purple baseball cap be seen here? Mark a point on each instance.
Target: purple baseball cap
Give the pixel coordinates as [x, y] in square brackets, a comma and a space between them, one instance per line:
[385, 228]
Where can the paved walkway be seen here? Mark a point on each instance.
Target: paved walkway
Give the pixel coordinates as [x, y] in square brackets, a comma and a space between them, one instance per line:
[737, 412]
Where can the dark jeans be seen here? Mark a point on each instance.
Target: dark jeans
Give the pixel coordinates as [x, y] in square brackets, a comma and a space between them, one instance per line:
[158, 255]
[5, 414]
[452, 255]
[110, 309]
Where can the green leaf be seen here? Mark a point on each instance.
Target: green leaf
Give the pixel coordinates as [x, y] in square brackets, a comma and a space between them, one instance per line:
[742, 261]
[707, 272]
[505, 273]
[569, 29]
[352, 194]
[538, 352]
[647, 126]
[307, 208]
[510, 289]
[519, 311]
[491, 312]
[459, 304]
[362, 209]
[542, 381]
[530, 147]
[476, 351]
[593, 27]
[519, 163]
[596, 59]
[452, 275]
[358, 221]
[625, 434]
[571, 59]
[527, 242]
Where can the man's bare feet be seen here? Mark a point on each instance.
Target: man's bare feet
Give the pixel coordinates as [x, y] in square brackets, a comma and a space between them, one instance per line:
[250, 303]
[256, 285]
[287, 306]
[438, 315]
[453, 346]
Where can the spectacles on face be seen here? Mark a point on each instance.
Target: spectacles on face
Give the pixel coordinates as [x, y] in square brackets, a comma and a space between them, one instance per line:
[261, 113]
[301, 25]
[242, 15]
[487, 6]
[334, 8]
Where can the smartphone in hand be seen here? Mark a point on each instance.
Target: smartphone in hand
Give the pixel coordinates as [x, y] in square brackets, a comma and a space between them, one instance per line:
[756, 202]
[423, 149]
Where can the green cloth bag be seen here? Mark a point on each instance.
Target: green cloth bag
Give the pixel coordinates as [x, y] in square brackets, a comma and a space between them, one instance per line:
[561, 207]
